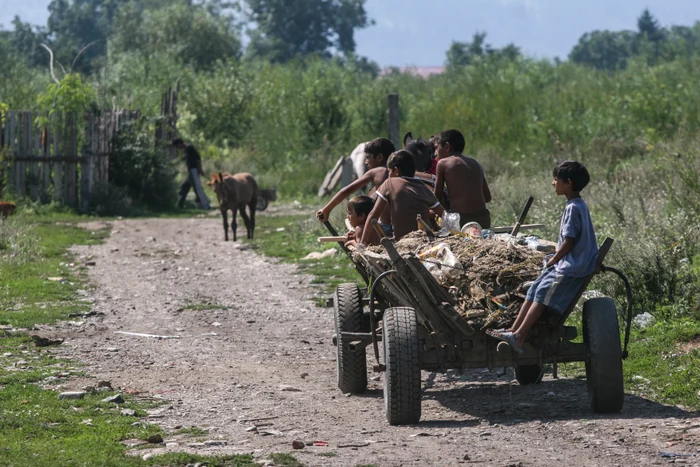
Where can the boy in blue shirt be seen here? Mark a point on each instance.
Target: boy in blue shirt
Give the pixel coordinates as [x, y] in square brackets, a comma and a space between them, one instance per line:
[573, 261]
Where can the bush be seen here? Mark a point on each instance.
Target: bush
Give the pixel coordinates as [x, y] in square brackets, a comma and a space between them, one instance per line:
[139, 172]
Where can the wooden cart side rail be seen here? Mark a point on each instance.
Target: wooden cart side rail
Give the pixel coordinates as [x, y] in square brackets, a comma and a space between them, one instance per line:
[393, 290]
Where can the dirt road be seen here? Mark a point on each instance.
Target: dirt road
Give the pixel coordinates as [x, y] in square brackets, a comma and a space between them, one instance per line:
[253, 351]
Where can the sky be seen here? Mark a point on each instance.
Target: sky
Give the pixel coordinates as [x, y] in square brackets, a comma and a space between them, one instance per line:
[419, 32]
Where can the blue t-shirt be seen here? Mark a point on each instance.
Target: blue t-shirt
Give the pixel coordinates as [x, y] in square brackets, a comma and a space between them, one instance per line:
[576, 223]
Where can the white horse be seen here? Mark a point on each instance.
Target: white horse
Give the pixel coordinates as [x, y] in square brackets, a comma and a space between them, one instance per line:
[359, 167]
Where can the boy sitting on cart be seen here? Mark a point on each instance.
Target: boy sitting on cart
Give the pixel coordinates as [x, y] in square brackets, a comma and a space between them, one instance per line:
[565, 271]
[377, 152]
[359, 208]
[405, 196]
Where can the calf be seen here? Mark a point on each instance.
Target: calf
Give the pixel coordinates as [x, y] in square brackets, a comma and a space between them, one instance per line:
[235, 192]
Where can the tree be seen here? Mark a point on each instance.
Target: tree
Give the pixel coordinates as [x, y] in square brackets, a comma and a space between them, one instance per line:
[464, 53]
[25, 41]
[605, 50]
[285, 30]
[195, 35]
[649, 27]
[76, 24]
[651, 38]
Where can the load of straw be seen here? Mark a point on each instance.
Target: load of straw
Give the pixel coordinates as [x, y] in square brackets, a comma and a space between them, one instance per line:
[484, 276]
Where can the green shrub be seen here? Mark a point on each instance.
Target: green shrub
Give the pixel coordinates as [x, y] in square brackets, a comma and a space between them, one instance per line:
[142, 172]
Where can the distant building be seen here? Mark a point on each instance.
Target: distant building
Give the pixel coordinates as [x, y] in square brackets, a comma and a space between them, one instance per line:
[422, 71]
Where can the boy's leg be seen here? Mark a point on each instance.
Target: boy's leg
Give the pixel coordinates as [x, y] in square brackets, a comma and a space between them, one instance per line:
[521, 315]
[533, 314]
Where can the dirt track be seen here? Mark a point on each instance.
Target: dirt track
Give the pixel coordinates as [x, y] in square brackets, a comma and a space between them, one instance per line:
[266, 354]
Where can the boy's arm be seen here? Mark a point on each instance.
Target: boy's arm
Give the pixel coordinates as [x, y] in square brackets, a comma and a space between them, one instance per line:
[566, 247]
[438, 209]
[324, 212]
[487, 191]
[440, 181]
[379, 206]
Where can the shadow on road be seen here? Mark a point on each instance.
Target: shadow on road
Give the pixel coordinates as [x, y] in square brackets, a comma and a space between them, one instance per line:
[496, 397]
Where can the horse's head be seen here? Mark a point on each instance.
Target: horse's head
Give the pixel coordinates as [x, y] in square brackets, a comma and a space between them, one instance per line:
[217, 183]
[422, 151]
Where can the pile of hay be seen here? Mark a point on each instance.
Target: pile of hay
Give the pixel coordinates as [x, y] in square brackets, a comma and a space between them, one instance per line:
[487, 281]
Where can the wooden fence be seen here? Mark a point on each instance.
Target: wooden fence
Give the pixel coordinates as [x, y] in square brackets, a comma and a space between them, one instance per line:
[56, 160]
[67, 160]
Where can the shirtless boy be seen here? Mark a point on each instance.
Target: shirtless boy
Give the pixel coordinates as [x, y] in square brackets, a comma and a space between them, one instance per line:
[465, 180]
[405, 196]
[377, 152]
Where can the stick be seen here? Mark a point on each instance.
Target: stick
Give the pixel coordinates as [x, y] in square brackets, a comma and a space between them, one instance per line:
[509, 228]
[353, 445]
[246, 420]
[422, 225]
[340, 238]
[521, 219]
[378, 229]
[140, 334]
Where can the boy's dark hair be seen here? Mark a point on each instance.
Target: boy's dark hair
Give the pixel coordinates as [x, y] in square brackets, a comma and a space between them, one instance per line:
[454, 137]
[574, 171]
[404, 161]
[178, 141]
[361, 205]
[380, 146]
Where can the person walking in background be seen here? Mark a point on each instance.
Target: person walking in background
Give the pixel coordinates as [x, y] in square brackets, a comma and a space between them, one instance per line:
[465, 180]
[193, 161]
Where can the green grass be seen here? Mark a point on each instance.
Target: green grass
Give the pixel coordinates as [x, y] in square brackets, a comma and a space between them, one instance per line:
[286, 460]
[291, 238]
[42, 286]
[36, 428]
[661, 368]
[661, 362]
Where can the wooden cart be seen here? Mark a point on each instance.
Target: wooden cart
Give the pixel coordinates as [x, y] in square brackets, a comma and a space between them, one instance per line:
[415, 322]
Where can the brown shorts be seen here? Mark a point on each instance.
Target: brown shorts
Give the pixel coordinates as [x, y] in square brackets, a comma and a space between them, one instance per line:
[483, 218]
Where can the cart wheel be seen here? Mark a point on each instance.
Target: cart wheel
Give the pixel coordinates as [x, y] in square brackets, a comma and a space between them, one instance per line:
[261, 204]
[351, 364]
[529, 374]
[604, 366]
[402, 378]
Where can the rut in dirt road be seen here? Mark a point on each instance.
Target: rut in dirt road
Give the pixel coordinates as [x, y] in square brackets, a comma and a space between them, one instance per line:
[254, 365]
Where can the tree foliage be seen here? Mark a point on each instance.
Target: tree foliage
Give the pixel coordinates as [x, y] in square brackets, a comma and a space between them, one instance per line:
[285, 30]
[652, 43]
[462, 54]
[193, 35]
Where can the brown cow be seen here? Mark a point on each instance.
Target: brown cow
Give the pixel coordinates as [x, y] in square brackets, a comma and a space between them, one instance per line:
[6, 209]
[235, 192]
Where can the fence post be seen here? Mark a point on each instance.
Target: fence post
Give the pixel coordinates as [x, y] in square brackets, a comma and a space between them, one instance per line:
[393, 102]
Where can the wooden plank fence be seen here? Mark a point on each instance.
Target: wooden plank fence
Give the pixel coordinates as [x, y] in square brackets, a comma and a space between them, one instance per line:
[46, 163]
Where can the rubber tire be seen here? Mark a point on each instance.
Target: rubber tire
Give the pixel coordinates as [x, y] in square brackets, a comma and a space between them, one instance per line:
[601, 334]
[261, 204]
[351, 365]
[529, 374]
[402, 385]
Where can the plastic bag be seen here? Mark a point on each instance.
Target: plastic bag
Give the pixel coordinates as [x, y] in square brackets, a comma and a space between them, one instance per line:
[440, 261]
[450, 221]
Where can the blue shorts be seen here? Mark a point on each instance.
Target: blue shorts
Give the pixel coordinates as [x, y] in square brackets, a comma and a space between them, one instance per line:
[554, 290]
[388, 229]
